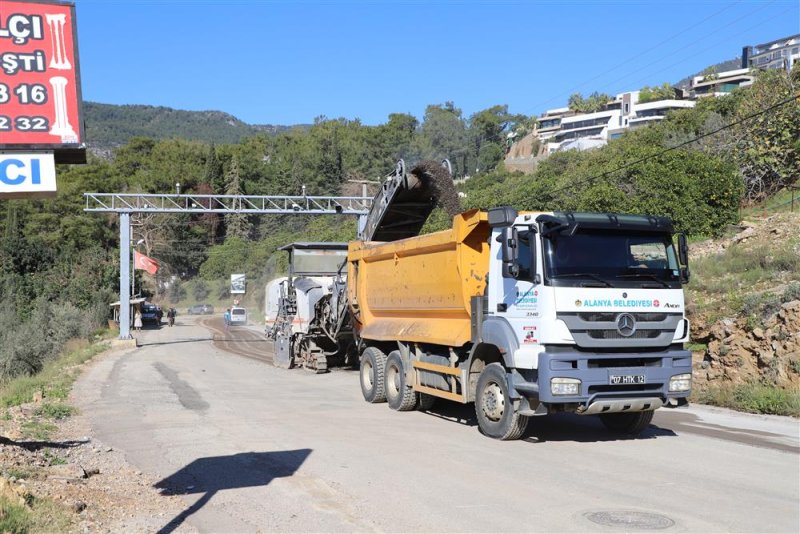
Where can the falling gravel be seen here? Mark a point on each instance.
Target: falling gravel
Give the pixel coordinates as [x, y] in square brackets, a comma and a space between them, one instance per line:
[440, 183]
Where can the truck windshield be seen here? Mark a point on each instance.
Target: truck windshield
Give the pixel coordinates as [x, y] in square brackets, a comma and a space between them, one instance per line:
[318, 262]
[616, 259]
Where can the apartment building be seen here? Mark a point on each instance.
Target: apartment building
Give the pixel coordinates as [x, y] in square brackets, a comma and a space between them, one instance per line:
[564, 130]
[779, 54]
[550, 122]
[720, 83]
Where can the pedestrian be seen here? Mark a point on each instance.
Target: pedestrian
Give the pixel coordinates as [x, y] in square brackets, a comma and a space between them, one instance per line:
[137, 320]
[227, 317]
[171, 313]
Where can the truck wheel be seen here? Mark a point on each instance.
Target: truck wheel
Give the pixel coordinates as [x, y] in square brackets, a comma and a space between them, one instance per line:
[398, 395]
[627, 423]
[494, 408]
[425, 402]
[373, 363]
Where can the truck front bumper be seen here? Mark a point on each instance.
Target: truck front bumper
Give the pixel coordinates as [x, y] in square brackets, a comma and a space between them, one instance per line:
[608, 382]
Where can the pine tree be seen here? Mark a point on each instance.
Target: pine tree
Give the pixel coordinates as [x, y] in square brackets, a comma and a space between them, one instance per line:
[236, 224]
[214, 175]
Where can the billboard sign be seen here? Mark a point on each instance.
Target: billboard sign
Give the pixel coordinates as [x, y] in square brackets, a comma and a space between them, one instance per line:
[40, 93]
[27, 175]
[237, 283]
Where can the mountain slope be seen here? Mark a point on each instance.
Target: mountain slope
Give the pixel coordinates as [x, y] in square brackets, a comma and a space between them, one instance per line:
[109, 125]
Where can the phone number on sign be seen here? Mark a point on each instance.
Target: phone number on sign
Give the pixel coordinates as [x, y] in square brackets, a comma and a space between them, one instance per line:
[23, 123]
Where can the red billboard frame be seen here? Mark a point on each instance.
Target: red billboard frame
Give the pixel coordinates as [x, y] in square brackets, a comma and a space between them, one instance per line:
[41, 105]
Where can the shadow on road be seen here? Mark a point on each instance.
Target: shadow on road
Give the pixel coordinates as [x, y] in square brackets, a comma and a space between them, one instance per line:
[689, 423]
[174, 341]
[207, 476]
[38, 445]
[555, 427]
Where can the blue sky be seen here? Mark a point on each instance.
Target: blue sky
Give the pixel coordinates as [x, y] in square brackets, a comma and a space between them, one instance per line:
[281, 62]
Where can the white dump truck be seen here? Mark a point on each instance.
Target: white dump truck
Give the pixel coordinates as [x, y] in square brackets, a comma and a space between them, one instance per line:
[525, 314]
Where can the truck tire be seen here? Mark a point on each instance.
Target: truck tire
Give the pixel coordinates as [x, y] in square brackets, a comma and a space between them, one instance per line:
[425, 402]
[399, 396]
[372, 366]
[630, 424]
[494, 408]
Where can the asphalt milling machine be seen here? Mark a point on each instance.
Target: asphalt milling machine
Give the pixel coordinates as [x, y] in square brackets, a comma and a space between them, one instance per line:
[307, 313]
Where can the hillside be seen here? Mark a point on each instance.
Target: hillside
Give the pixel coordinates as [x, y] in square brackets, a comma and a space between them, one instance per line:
[722, 66]
[109, 126]
[744, 301]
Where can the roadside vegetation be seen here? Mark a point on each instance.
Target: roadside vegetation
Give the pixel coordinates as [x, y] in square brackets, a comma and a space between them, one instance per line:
[46, 392]
[753, 397]
[53, 382]
[21, 514]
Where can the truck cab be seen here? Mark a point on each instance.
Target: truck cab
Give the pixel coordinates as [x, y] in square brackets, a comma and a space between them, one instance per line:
[590, 310]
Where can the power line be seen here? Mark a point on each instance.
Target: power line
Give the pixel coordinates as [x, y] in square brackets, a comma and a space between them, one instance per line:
[685, 57]
[669, 39]
[680, 145]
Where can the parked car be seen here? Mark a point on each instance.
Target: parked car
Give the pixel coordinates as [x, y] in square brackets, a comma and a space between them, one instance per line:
[238, 316]
[151, 314]
[201, 309]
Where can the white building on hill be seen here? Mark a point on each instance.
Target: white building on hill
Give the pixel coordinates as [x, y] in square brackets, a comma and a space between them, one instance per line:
[560, 129]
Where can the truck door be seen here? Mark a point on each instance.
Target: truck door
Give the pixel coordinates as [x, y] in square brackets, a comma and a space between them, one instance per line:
[517, 300]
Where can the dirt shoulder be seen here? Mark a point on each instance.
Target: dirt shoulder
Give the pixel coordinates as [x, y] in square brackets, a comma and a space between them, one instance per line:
[66, 479]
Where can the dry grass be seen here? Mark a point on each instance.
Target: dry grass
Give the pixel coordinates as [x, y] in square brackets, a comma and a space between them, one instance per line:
[751, 397]
[56, 378]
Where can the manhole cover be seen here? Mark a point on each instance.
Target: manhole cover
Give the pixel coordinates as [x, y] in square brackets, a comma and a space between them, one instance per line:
[630, 520]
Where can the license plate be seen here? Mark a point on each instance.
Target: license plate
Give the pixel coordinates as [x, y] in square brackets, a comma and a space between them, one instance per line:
[617, 380]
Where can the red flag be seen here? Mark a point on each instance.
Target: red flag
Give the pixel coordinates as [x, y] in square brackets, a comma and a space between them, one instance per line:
[140, 261]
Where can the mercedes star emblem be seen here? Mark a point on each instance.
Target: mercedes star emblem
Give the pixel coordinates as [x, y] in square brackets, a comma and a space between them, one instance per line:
[626, 324]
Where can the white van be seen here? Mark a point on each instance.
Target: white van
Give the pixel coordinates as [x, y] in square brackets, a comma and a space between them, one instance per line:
[238, 316]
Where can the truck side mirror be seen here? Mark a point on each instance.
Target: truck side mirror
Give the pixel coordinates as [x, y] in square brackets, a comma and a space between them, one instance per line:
[683, 256]
[683, 250]
[509, 251]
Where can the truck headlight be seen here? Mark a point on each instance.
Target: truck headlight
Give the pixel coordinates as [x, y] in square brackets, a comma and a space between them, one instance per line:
[565, 386]
[681, 382]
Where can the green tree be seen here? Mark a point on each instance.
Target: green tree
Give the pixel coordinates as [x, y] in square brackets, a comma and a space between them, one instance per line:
[214, 175]
[444, 135]
[767, 146]
[236, 224]
[658, 92]
[595, 102]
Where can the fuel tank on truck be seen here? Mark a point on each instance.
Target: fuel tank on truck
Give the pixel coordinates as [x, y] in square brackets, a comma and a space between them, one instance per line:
[419, 289]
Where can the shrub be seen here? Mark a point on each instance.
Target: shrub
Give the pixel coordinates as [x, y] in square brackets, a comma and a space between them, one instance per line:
[792, 292]
[200, 290]
[176, 291]
[25, 348]
[55, 410]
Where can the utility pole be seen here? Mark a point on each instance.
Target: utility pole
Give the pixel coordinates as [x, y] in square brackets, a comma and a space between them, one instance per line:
[364, 185]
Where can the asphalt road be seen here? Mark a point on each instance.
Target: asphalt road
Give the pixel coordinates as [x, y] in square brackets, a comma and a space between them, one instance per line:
[255, 448]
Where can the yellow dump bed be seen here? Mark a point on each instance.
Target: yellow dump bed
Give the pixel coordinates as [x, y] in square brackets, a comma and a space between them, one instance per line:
[419, 289]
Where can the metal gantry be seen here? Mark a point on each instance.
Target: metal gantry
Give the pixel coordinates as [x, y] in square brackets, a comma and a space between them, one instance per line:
[124, 204]
[248, 204]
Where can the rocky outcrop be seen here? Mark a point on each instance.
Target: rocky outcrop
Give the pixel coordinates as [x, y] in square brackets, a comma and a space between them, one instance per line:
[738, 352]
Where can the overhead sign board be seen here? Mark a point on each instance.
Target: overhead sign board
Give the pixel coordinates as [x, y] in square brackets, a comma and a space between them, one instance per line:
[238, 283]
[40, 93]
[27, 175]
